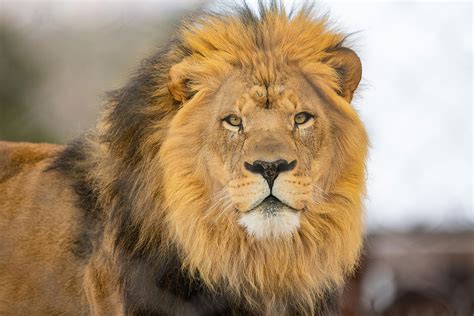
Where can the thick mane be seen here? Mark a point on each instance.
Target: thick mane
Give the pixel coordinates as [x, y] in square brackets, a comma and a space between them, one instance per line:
[154, 240]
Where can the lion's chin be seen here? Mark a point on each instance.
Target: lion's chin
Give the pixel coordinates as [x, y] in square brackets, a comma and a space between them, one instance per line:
[271, 219]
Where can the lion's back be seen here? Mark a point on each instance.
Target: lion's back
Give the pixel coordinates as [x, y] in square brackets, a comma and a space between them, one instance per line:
[15, 157]
[38, 221]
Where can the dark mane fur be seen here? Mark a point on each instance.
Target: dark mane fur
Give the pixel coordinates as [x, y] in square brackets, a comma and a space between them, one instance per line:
[72, 162]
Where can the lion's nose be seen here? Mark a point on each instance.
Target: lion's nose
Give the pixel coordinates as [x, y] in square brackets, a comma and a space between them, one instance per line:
[270, 170]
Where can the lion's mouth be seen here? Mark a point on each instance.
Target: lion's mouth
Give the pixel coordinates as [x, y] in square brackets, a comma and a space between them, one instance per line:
[271, 205]
[271, 218]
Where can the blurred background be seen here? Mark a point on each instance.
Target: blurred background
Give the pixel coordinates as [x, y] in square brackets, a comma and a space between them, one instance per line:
[59, 58]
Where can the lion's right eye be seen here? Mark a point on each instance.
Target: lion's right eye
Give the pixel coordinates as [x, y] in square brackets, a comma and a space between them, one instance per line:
[233, 120]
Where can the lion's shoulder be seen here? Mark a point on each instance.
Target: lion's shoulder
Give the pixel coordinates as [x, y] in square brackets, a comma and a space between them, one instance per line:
[15, 157]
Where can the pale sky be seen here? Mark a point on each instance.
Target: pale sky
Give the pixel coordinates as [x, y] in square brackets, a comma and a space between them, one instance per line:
[416, 101]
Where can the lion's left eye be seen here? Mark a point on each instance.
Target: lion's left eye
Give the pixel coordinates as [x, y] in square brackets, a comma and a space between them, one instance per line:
[302, 118]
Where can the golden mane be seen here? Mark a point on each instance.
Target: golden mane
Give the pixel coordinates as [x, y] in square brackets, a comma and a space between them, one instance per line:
[152, 190]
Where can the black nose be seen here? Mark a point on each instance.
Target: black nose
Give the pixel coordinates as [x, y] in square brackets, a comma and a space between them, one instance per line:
[270, 170]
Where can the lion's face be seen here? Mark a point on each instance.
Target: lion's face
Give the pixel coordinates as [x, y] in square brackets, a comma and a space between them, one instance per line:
[270, 143]
[263, 150]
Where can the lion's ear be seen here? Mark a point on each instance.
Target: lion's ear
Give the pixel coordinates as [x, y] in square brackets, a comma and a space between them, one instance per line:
[178, 81]
[347, 64]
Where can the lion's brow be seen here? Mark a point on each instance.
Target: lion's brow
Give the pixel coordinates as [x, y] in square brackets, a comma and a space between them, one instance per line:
[328, 105]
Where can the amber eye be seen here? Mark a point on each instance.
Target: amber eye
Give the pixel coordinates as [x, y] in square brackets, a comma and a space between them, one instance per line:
[302, 118]
[233, 120]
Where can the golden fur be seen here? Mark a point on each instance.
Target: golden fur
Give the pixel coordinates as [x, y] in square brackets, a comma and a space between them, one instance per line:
[167, 177]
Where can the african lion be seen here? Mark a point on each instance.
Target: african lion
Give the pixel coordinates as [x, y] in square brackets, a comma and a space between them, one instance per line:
[226, 178]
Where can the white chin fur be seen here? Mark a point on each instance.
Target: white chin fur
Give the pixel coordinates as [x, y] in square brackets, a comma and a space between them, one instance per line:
[263, 225]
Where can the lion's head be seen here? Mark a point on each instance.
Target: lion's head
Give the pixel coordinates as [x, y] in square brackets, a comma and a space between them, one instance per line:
[246, 155]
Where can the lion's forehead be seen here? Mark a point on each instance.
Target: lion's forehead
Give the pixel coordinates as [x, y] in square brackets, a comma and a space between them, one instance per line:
[273, 96]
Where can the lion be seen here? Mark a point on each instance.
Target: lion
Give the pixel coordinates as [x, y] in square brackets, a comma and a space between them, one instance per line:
[226, 177]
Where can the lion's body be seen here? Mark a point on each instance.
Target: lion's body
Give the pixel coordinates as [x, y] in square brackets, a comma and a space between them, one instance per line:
[38, 221]
[166, 208]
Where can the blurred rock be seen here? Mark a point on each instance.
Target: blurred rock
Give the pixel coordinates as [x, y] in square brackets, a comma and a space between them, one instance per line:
[415, 273]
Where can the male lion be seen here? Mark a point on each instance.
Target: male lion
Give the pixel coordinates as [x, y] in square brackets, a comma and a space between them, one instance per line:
[226, 178]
